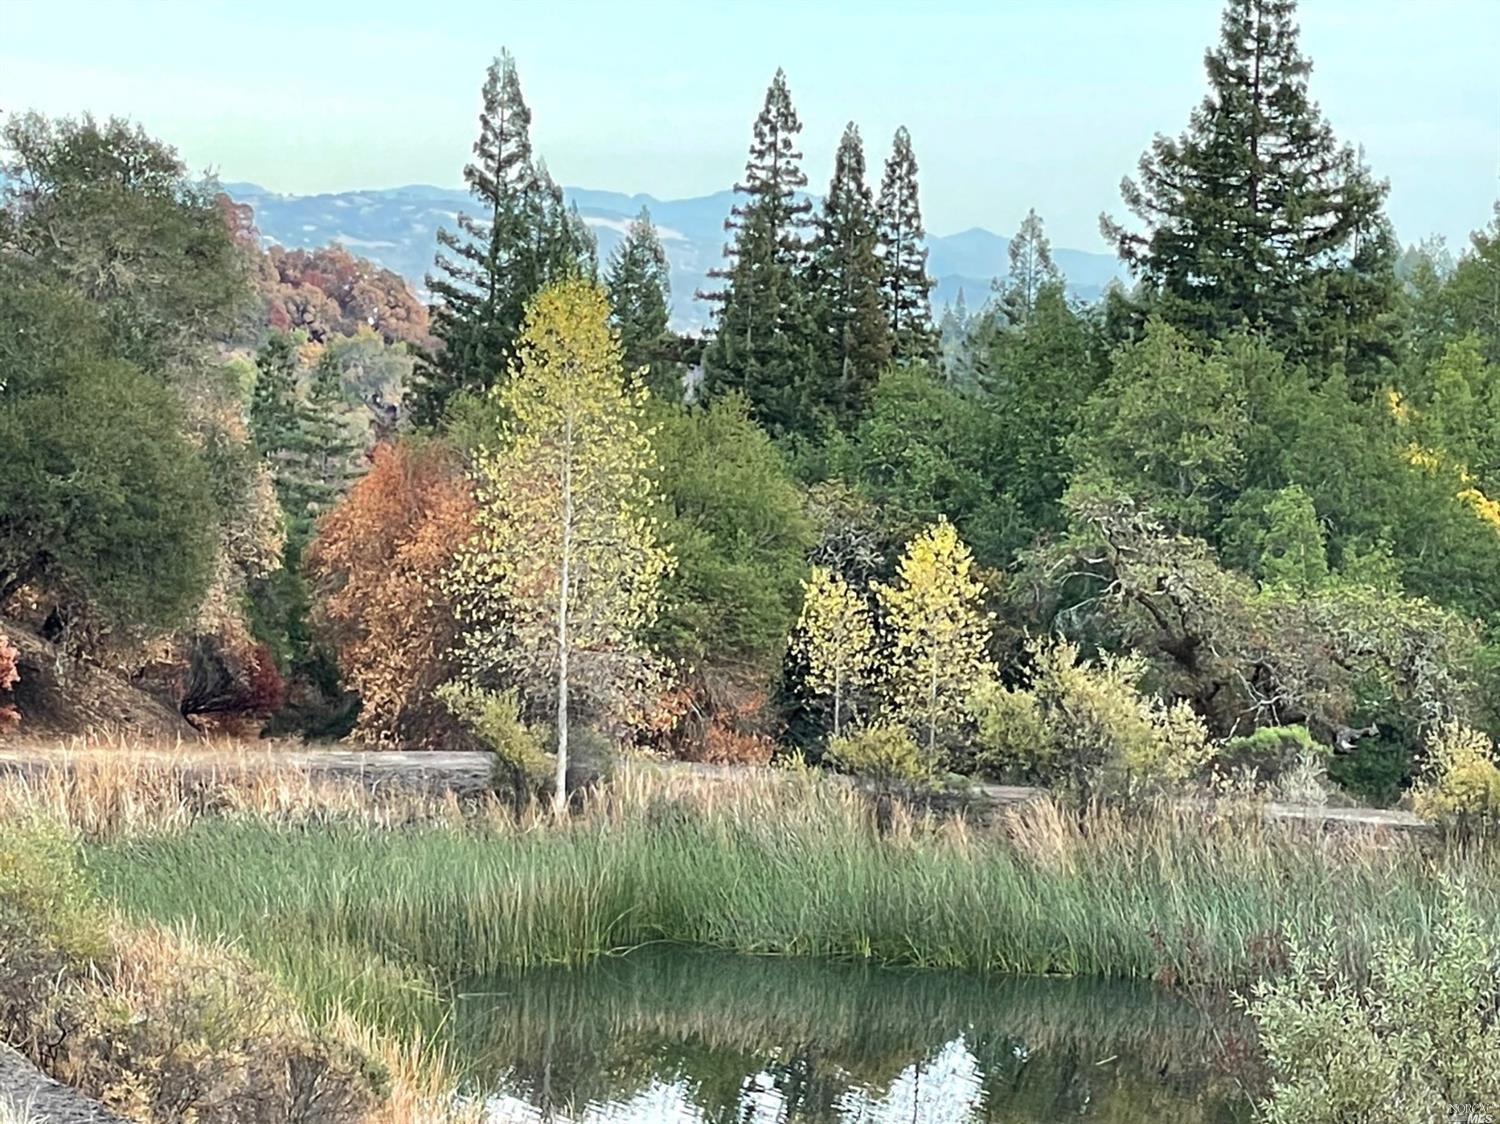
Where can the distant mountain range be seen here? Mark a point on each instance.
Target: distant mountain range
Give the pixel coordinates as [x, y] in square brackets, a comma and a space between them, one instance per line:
[397, 228]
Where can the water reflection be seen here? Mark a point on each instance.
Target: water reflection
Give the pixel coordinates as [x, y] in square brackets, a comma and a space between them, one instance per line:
[663, 1036]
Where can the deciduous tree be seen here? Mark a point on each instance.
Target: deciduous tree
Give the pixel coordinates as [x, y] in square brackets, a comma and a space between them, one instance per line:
[378, 565]
[564, 574]
[937, 628]
[103, 500]
[836, 637]
[735, 522]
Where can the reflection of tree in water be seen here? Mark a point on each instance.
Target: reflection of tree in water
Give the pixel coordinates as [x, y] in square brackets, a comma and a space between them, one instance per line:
[756, 1039]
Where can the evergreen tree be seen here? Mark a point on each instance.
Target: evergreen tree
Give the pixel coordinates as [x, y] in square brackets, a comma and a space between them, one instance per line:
[763, 340]
[276, 415]
[493, 264]
[639, 288]
[1031, 269]
[905, 286]
[1256, 214]
[846, 279]
[1474, 290]
[953, 342]
[333, 449]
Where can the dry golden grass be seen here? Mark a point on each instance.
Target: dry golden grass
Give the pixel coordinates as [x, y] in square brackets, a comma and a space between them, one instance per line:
[423, 1078]
[113, 788]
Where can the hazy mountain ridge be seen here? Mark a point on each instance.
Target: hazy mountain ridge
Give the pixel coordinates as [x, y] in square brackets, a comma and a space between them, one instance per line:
[397, 228]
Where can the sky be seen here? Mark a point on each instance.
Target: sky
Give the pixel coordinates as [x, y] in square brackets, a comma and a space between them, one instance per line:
[1011, 103]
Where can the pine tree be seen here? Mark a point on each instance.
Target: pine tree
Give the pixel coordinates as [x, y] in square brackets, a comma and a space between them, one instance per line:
[905, 286]
[764, 344]
[333, 451]
[845, 278]
[1252, 214]
[564, 573]
[953, 342]
[275, 411]
[492, 265]
[1031, 269]
[639, 288]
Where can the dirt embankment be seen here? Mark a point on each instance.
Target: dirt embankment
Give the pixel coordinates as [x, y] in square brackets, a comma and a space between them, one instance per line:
[62, 697]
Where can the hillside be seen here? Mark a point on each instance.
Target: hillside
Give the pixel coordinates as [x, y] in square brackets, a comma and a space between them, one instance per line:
[397, 228]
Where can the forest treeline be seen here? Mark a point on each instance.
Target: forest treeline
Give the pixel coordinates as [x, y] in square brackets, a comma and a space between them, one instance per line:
[1243, 513]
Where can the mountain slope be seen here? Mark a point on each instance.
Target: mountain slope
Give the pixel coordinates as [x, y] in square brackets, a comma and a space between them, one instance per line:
[397, 228]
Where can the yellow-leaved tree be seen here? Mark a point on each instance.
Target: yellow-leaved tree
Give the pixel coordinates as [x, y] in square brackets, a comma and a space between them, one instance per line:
[836, 637]
[564, 574]
[937, 628]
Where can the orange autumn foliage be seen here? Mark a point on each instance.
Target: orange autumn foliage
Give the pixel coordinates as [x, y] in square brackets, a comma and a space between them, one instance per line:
[377, 566]
[9, 677]
[718, 722]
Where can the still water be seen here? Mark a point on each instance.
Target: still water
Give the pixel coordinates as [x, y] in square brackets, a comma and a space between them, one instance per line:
[668, 1036]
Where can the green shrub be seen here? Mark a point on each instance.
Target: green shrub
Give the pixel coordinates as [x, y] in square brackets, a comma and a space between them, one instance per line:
[1087, 726]
[1408, 1046]
[1286, 761]
[521, 764]
[884, 753]
[50, 931]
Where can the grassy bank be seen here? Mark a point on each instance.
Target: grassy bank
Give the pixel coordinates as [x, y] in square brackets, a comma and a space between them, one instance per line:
[369, 910]
[790, 865]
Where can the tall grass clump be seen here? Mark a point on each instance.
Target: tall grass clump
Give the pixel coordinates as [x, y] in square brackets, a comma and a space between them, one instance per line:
[787, 864]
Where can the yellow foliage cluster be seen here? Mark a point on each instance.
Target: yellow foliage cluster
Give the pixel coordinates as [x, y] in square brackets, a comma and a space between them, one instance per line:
[926, 656]
[938, 630]
[1462, 780]
[563, 574]
[836, 638]
[882, 752]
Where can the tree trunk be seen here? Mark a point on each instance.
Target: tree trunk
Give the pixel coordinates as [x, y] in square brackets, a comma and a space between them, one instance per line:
[560, 793]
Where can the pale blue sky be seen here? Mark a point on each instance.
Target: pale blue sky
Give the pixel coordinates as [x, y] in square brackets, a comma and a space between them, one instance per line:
[1011, 103]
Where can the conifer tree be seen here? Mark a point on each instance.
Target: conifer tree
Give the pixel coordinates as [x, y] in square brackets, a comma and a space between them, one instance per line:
[1031, 269]
[954, 334]
[1254, 212]
[639, 288]
[488, 268]
[845, 273]
[764, 344]
[276, 414]
[905, 286]
[333, 449]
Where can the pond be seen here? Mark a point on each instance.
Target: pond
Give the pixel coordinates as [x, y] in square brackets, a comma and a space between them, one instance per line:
[667, 1035]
